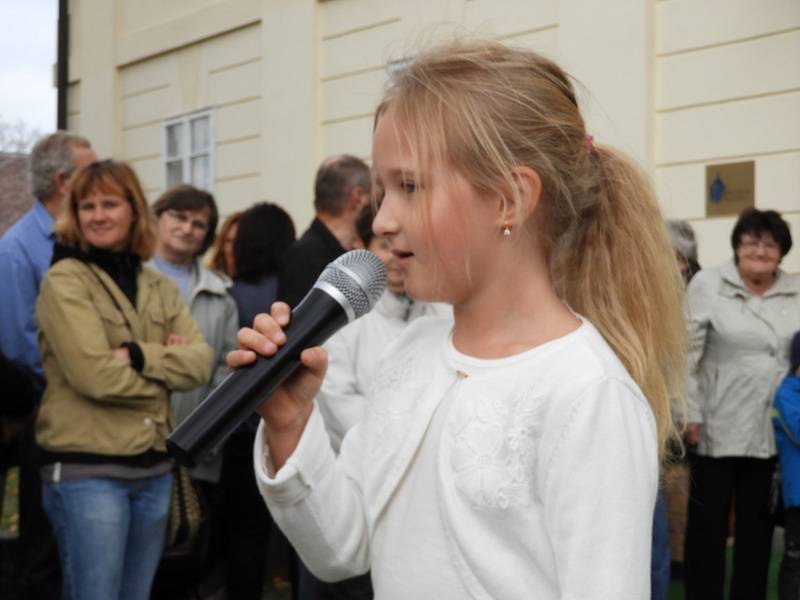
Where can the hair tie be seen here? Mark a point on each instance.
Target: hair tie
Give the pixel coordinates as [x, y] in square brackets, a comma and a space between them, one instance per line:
[589, 143]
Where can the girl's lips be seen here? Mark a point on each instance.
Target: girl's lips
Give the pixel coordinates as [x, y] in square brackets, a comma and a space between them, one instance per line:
[400, 254]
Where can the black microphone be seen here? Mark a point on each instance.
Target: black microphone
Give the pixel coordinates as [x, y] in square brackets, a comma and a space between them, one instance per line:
[347, 289]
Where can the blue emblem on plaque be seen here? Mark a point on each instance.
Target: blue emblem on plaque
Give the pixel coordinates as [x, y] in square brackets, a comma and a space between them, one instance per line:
[717, 190]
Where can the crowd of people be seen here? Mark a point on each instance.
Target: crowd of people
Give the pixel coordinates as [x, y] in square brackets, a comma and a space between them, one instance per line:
[497, 427]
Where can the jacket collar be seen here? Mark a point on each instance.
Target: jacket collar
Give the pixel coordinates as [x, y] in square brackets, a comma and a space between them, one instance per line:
[733, 285]
[208, 281]
[203, 280]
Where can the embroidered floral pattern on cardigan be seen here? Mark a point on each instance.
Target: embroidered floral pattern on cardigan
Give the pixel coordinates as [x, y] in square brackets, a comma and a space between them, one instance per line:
[492, 438]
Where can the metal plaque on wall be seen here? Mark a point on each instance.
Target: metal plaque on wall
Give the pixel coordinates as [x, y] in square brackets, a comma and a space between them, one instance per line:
[730, 188]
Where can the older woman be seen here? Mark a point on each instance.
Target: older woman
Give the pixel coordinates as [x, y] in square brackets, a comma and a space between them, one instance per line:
[115, 340]
[741, 318]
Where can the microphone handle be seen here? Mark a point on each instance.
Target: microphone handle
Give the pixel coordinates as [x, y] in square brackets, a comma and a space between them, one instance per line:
[314, 320]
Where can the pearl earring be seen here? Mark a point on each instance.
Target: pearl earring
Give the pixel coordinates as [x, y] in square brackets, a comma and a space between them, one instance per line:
[506, 229]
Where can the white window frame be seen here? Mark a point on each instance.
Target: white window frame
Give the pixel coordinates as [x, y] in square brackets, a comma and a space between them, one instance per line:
[186, 120]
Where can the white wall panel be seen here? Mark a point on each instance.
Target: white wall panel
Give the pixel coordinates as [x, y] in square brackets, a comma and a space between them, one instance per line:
[239, 120]
[237, 83]
[147, 107]
[509, 17]
[686, 24]
[365, 49]
[239, 158]
[341, 16]
[141, 141]
[778, 184]
[732, 129]
[354, 95]
[237, 194]
[351, 137]
[760, 66]
[680, 191]
[544, 41]
[149, 172]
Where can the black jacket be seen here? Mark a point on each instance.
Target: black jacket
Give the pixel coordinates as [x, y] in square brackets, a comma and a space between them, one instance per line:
[305, 259]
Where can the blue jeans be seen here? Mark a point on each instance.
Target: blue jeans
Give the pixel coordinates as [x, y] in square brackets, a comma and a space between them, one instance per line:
[110, 534]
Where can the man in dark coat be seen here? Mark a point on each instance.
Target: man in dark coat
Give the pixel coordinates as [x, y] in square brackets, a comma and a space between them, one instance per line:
[340, 190]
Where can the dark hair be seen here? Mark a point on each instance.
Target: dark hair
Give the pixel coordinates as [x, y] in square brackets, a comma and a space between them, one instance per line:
[336, 177]
[794, 354]
[758, 222]
[364, 225]
[265, 232]
[188, 197]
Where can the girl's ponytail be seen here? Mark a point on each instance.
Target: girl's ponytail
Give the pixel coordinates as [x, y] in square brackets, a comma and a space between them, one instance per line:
[616, 266]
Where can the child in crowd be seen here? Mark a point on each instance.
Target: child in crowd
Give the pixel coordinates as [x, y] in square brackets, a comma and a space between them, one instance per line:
[512, 452]
[787, 439]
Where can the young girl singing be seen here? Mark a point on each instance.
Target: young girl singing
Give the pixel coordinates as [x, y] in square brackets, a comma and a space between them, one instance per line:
[514, 453]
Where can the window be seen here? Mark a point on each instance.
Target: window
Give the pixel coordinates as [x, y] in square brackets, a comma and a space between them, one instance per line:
[188, 150]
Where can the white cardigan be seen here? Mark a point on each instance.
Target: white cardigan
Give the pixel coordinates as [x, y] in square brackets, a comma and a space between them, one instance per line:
[354, 353]
[547, 472]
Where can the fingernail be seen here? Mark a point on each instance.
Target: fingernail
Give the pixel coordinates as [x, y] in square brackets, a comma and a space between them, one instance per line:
[280, 337]
[268, 348]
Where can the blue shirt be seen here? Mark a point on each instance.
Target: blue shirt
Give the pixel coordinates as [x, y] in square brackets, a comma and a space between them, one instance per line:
[180, 275]
[25, 253]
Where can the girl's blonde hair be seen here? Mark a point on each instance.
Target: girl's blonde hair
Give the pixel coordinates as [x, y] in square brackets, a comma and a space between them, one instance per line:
[485, 109]
[114, 177]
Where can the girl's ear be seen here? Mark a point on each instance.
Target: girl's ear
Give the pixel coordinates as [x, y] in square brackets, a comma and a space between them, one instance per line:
[522, 199]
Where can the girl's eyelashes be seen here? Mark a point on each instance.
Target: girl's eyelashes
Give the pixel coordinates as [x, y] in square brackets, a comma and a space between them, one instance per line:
[408, 186]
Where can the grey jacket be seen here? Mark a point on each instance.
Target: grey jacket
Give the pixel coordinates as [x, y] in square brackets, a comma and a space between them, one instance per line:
[738, 354]
[217, 317]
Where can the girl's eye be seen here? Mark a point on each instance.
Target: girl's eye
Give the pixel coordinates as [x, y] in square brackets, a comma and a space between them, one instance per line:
[409, 187]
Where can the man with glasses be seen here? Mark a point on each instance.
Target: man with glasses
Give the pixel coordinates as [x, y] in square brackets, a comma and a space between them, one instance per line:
[186, 223]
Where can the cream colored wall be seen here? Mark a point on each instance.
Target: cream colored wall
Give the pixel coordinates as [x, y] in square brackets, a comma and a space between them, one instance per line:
[728, 90]
[675, 83]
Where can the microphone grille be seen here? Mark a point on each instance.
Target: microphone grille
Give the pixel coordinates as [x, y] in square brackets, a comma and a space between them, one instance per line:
[361, 278]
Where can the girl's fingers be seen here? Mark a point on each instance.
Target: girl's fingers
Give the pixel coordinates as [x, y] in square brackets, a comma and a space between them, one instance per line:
[281, 312]
[240, 358]
[269, 327]
[250, 339]
[315, 360]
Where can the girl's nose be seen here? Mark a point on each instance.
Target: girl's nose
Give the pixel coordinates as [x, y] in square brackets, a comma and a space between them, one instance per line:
[384, 224]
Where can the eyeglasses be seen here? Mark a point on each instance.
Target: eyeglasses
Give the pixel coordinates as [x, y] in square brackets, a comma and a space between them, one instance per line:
[183, 217]
[766, 244]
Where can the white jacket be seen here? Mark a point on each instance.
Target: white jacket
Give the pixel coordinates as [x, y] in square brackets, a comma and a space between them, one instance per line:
[353, 355]
[546, 478]
[738, 354]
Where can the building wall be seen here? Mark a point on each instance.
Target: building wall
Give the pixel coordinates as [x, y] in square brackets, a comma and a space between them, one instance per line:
[677, 84]
[728, 90]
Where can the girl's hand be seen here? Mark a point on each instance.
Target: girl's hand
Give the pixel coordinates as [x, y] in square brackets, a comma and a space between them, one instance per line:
[286, 411]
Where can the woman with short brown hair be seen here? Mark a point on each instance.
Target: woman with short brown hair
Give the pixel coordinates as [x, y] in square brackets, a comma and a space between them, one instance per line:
[115, 340]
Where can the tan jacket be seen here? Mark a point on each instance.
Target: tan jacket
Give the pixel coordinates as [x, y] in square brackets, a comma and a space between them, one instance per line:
[94, 403]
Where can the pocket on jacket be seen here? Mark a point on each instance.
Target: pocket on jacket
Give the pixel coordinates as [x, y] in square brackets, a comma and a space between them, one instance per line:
[114, 323]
